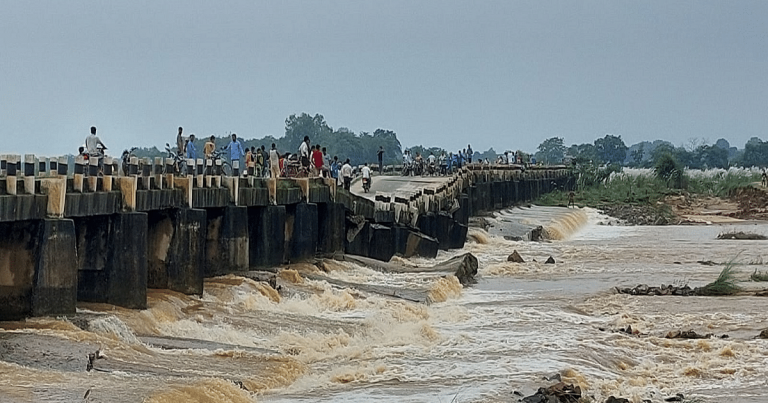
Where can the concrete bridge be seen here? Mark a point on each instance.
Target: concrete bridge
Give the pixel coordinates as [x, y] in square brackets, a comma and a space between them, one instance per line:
[68, 237]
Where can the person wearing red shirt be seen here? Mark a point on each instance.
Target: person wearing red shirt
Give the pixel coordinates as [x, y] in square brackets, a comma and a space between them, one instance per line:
[317, 161]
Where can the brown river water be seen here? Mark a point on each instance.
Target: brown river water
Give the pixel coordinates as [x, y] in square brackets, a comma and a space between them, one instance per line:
[243, 342]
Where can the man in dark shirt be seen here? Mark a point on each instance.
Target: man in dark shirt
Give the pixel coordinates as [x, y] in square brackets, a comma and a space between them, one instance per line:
[380, 154]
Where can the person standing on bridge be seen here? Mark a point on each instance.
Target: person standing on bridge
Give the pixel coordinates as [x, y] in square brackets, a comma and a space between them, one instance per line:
[317, 161]
[180, 142]
[346, 174]
[274, 162]
[235, 151]
[335, 166]
[191, 150]
[209, 147]
[380, 154]
[304, 153]
[469, 153]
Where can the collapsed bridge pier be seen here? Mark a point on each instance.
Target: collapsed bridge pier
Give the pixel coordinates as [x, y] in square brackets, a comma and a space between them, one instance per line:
[107, 239]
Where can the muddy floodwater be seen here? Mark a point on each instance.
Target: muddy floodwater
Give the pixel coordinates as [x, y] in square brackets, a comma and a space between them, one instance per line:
[242, 341]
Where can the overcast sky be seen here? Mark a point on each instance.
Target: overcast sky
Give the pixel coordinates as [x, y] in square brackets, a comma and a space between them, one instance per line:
[502, 74]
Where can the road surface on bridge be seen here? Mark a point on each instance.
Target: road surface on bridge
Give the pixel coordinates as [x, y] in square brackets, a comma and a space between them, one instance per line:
[397, 185]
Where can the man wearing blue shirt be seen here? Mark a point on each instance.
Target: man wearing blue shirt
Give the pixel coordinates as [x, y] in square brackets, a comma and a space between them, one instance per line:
[191, 151]
[235, 149]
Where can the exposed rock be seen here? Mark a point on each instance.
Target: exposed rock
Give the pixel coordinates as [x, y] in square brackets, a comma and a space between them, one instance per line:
[612, 399]
[639, 215]
[763, 334]
[558, 393]
[676, 398]
[515, 258]
[644, 289]
[537, 234]
[686, 334]
[741, 235]
[551, 260]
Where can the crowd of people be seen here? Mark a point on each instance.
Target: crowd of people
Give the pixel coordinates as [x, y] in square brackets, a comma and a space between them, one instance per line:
[443, 164]
[309, 160]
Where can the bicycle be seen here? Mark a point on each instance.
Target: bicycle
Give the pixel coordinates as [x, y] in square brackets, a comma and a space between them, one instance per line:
[226, 168]
[179, 162]
[126, 160]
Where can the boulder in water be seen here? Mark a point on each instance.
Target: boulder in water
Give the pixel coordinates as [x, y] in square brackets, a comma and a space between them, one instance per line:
[515, 258]
[687, 334]
[612, 399]
[558, 393]
[551, 260]
[763, 334]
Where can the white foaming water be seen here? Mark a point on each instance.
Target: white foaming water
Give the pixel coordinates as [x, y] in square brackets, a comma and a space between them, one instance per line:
[519, 323]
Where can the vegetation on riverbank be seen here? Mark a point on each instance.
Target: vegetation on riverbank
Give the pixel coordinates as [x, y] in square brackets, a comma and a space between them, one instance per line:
[644, 190]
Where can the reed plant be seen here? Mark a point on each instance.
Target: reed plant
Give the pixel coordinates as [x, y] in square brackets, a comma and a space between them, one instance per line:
[725, 283]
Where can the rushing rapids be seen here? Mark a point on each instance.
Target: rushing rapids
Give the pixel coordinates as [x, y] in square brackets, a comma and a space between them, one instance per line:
[243, 341]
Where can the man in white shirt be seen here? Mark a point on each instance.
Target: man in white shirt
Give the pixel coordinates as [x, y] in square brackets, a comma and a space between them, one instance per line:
[274, 162]
[92, 143]
[304, 152]
[346, 173]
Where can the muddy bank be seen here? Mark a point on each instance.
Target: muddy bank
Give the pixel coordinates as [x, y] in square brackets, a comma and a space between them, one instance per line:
[641, 215]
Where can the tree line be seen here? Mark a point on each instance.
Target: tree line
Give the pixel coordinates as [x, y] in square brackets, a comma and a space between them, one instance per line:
[611, 150]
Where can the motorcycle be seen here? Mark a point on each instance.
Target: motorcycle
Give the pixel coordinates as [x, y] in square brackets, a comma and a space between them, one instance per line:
[366, 184]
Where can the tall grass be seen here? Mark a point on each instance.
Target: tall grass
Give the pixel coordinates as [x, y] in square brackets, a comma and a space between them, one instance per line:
[725, 283]
[597, 187]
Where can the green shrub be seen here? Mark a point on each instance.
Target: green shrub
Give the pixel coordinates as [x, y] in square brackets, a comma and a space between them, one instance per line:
[725, 283]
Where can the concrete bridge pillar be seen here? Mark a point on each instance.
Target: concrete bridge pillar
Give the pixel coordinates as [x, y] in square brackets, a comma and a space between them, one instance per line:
[226, 240]
[176, 255]
[38, 270]
[112, 252]
[266, 232]
[301, 231]
[331, 227]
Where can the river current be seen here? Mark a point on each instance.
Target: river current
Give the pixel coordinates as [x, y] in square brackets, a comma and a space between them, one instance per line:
[521, 323]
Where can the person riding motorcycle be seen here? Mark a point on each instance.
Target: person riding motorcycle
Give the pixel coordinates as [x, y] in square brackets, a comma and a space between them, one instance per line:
[366, 172]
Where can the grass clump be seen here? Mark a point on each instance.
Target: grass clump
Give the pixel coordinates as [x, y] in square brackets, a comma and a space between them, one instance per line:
[725, 283]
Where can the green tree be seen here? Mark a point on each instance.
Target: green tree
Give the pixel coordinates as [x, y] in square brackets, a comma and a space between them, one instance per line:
[551, 151]
[584, 154]
[669, 169]
[711, 157]
[637, 155]
[611, 149]
[296, 127]
[755, 153]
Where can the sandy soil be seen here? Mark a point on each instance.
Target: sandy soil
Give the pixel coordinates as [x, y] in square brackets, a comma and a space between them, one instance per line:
[746, 204]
